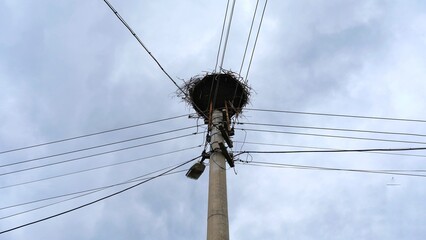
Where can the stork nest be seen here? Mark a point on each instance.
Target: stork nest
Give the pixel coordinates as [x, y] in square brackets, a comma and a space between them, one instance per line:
[221, 90]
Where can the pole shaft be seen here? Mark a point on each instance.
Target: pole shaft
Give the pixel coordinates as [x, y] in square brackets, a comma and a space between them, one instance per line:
[217, 217]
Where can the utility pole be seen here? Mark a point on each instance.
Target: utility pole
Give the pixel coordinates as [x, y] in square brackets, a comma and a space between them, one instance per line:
[216, 97]
[217, 217]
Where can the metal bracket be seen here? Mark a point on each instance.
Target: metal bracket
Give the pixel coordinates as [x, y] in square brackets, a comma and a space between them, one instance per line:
[225, 153]
[226, 137]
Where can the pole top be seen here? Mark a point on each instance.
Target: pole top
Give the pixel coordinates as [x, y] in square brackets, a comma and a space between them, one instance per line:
[217, 91]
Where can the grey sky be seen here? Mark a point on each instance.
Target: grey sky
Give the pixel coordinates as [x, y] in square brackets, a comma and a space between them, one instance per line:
[70, 67]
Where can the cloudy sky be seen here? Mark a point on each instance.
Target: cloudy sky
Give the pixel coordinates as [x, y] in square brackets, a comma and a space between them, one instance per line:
[69, 68]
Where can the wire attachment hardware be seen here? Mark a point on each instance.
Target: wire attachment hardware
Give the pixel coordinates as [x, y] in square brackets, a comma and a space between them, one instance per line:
[229, 158]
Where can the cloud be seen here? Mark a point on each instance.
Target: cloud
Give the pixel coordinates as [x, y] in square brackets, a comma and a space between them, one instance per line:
[71, 68]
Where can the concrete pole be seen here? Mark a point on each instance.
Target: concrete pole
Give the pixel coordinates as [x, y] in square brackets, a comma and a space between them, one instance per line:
[217, 217]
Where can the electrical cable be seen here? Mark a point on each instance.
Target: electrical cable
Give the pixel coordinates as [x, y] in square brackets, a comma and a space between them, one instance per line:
[75, 197]
[91, 190]
[221, 36]
[146, 49]
[331, 136]
[90, 134]
[245, 52]
[336, 150]
[97, 154]
[143, 45]
[333, 129]
[248, 38]
[255, 41]
[81, 193]
[309, 167]
[94, 147]
[336, 115]
[254, 47]
[227, 34]
[97, 200]
[96, 168]
[308, 147]
[244, 140]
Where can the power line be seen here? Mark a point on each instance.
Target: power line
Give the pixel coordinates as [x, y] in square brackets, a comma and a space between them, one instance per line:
[97, 200]
[254, 46]
[75, 197]
[143, 45]
[281, 145]
[94, 147]
[255, 41]
[96, 168]
[335, 150]
[97, 154]
[90, 134]
[81, 193]
[333, 129]
[336, 115]
[248, 38]
[91, 190]
[221, 35]
[227, 34]
[308, 147]
[331, 136]
[310, 167]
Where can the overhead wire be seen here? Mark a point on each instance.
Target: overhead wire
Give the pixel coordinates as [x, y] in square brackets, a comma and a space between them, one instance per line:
[245, 52]
[332, 136]
[75, 197]
[248, 38]
[255, 41]
[143, 45]
[310, 167]
[211, 95]
[80, 193]
[253, 50]
[90, 134]
[333, 129]
[96, 168]
[93, 155]
[40, 220]
[150, 54]
[336, 115]
[321, 148]
[221, 36]
[97, 200]
[85, 192]
[94, 147]
[227, 34]
[335, 150]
